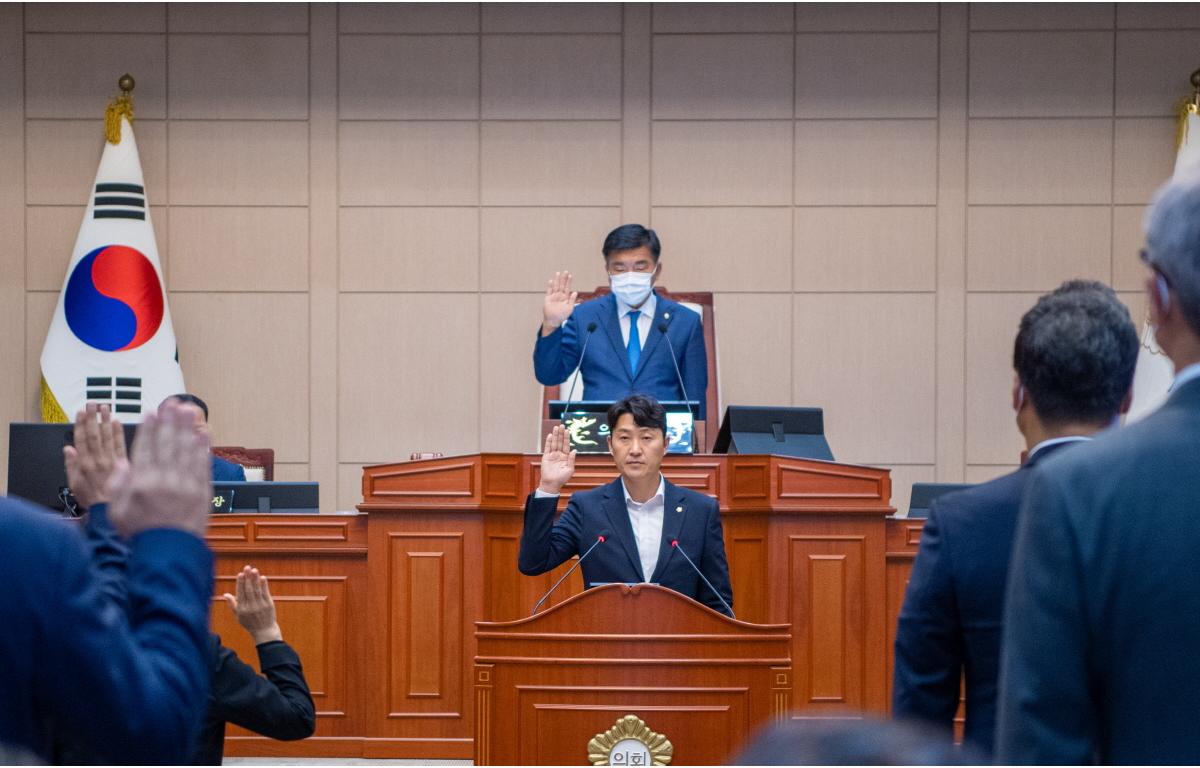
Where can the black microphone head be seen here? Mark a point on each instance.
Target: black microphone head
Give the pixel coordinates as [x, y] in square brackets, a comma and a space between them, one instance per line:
[662, 327]
[591, 327]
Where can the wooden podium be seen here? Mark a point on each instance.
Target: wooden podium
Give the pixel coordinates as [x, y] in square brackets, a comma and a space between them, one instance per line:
[546, 686]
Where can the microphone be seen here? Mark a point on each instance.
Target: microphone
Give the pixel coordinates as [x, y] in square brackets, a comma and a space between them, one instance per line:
[570, 394]
[599, 540]
[662, 327]
[728, 607]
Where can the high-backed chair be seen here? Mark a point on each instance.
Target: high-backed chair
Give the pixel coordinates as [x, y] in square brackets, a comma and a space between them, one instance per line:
[700, 303]
[259, 463]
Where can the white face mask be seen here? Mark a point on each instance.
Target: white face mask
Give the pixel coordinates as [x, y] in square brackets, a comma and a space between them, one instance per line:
[632, 288]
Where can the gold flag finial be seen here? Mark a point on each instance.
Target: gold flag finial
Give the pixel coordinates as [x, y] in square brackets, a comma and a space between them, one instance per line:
[121, 106]
[1188, 106]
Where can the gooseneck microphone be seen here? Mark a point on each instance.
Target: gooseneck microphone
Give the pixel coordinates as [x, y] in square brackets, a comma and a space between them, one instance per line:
[728, 607]
[663, 327]
[599, 540]
[591, 327]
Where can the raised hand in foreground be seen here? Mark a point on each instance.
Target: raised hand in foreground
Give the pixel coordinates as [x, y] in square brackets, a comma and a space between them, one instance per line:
[96, 453]
[558, 461]
[254, 607]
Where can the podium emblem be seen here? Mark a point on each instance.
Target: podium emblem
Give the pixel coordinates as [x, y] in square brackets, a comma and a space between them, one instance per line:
[630, 743]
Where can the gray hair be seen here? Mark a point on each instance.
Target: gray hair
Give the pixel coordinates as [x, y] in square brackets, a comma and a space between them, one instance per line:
[1172, 225]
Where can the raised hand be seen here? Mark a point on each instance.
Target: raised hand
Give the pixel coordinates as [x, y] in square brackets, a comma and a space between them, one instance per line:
[559, 302]
[254, 607]
[97, 452]
[558, 461]
[168, 481]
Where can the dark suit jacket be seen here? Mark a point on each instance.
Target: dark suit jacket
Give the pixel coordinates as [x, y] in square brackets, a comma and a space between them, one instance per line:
[951, 618]
[692, 518]
[1101, 653]
[227, 471]
[605, 368]
[121, 686]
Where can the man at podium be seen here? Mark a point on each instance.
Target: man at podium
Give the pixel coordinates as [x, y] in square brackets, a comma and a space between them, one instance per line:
[637, 528]
[630, 324]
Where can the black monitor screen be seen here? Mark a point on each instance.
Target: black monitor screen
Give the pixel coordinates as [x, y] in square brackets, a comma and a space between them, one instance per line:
[35, 461]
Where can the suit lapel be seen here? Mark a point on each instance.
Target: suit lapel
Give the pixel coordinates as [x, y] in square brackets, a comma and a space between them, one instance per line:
[612, 324]
[655, 335]
[674, 513]
[618, 518]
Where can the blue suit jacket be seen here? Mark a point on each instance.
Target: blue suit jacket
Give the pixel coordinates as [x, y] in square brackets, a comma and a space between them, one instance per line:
[692, 518]
[605, 368]
[227, 471]
[121, 687]
[1101, 654]
[951, 618]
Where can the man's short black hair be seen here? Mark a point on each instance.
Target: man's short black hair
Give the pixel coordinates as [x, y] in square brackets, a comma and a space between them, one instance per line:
[185, 397]
[646, 412]
[1075, 353]
[629, 236]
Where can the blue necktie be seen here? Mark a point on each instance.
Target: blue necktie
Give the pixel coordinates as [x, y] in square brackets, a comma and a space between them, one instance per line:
[634, 349]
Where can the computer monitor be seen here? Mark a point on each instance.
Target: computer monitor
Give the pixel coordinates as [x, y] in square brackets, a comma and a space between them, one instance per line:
[279, 498]
[35, 462]
[923, 495]
[785, 431]
[587, 424]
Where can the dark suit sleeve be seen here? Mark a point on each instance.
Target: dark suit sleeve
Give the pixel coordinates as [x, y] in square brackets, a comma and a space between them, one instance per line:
[713, 563]
[1045, 710]
[545, 545]
[695, 367]
[110, 554]
[128, 686]
[929, 642]
[278, 705]
[555, 356]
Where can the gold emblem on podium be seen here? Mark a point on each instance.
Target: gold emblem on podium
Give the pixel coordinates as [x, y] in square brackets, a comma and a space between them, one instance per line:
[630, 743]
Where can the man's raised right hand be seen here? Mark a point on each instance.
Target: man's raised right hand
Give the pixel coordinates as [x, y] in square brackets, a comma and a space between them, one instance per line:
[558, 461]
[559, 302]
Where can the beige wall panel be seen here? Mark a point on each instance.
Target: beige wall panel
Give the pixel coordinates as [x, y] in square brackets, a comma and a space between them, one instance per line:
[95, 17]
[982, 473]
[1014, 162]
[408, 163]
[1158, 15]
[866, 162]
[261, 18]
[50, 233]
[1153, 70]
[551, 77]
[722, 17]
[411, 18]
[1144, 158]
[62, 78]
[39, 311]
[349, 485]
[524, 18]
[1036, 248]
[551, 163]
[1041, 15]
[868, 360]
[239, 162]
[1137, 303]
[299, 472]
[866, 17]
[1128, 239]
[61, 157]
[1041, 74]
[247, 356]
[725, 249]
[522, 248]
[511, 416]
[865, 249]
[722, 76]
[239, 249]
[992, 320]
[839, 75]
[903, 477]
[408, 249]
[210, 77]
[721, 163]
[12, 224]
[394, 349]
[406, 77]
[754, 348]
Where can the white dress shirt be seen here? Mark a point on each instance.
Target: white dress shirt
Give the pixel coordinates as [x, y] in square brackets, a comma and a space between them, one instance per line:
[1054, 441]
[647, 521]
[1187, 374]
[645, 320]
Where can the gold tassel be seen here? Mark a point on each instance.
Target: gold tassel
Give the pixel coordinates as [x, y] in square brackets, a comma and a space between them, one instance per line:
[121, 106]
[1186, 107]
[52, 412]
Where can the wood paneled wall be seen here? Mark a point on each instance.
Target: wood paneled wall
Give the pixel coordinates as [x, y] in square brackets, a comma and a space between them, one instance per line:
[353, 202]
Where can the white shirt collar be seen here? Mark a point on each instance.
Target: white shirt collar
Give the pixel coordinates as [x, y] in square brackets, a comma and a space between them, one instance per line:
[658, 495]
[1055, 441]
[647, 308]
[1186, 375]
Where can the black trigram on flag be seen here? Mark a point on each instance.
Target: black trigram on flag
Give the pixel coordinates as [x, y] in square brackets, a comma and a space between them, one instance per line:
[122, 394]
[120, 201]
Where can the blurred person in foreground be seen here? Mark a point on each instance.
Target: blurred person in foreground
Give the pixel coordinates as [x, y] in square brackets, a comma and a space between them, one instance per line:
[853, 741]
